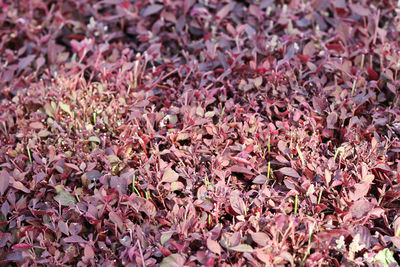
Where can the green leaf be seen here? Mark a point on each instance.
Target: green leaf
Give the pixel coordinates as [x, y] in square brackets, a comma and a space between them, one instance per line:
[384, 257]
[65, 108]
[50, 111]
[44, 133]
[63, 197]
[94, 139]
[166, 236]
[173, 260]
[112, 159]
[242, 248]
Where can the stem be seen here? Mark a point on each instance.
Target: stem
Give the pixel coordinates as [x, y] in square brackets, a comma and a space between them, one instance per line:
[29, 154]
[134, 189]
[354, 87]
[362, 61]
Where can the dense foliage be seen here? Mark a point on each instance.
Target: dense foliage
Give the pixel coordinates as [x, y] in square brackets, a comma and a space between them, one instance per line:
[207, 132]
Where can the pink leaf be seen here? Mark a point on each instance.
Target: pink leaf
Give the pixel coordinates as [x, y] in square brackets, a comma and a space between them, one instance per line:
[361, 208]
[37, 125]
[237, 203]
[214, 246]
[18, 185]
[89, 252]
[169, 176]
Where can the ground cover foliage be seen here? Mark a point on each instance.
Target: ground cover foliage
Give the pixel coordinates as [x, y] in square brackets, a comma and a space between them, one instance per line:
[145, 133]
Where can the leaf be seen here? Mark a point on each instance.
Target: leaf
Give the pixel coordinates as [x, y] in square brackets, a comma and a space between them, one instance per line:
[214, 246]
[173, 260]
[260, 238]
[372, 74]
[182, 136]
[361, 189]
[74, 239]
[239, 169]
[242, 248]
[18, 185]
[25, 62]
[260, 179]
[63, 197]
[331, 120]
[151, 10]
[44, 133]
[360, 10]
[37, 125]
[116, 219]
[237, 203]
[93, 175]
[385, 258]
[166, 236]
[22, 246]
[361, 208]
[175, 186]
[383, 166]
[169, 176]
[225, 10]
[94, 139]
[49, 110]
[65, 107]
[112, 158]
[289, 172]
[4, 181]
[89, 252]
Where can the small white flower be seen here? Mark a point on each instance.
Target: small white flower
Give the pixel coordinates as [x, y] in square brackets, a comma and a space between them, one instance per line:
[340, 244]
[296, 47]
[310, 190]
[355, 246]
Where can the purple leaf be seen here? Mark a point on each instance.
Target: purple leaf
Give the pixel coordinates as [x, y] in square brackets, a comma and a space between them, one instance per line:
[151, 10]
[4, 181]
[289, 172]
[74, 239]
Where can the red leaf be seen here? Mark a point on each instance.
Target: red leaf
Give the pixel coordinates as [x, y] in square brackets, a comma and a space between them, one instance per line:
[22, 246]
[303, 58]
[336, 47]
[125, 4]
[372, 75]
